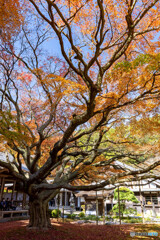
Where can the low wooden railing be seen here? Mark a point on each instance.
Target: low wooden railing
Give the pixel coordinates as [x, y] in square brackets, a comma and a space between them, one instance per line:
[13, 213]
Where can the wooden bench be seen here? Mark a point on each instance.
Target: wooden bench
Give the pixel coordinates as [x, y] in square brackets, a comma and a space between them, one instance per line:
[13, 214]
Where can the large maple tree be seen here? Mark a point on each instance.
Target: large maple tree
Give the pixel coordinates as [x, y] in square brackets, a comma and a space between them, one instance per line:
[63, 118]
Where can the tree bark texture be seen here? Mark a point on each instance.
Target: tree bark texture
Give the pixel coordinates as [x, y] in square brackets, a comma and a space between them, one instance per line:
[39, 215]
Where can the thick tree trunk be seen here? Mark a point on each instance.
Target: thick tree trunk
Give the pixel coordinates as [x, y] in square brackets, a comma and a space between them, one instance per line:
[39, 216]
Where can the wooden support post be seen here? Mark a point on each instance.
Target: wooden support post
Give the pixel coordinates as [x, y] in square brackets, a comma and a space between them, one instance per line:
[24, 200]
[16, 195]
[141, 201]
[60, 196]
[119, 207]
[103, 209]
[63, 212]
[66, 203]
[58, 200]
[2, 188]
[13, 189]
[96, 208]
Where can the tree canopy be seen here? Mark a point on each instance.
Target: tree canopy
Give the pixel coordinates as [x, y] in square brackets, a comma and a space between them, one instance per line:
[11, 18]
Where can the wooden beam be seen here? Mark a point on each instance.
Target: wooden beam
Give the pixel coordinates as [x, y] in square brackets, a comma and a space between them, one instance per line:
[4, 176]
[9, 180]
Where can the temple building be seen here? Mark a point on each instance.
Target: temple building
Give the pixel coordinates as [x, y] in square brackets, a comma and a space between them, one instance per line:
[147, 193]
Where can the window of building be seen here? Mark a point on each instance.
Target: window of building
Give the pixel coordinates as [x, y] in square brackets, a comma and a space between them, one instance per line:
[148, 200]
[155, 199]
[151, 199]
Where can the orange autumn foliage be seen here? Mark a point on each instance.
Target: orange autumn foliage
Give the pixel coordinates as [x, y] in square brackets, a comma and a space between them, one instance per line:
[10, 18]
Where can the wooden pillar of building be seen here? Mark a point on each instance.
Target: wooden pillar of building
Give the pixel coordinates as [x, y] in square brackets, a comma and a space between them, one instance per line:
[103, 209]
[141, 201]
[2, 188]
[119, 207]
[16, 195]
[60, 195]
[58, 202]
[24, 201]
[96, 208]
[66, 199]
[63, 212]
[63, 203]
[13, 189]
[111, 202]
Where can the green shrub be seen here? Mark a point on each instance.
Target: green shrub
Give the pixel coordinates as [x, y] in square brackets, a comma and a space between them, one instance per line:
[133, 220]
[81, 214]
[92, 218]
[129, 219]
[68, 215]
[55, 213]
[139, 215]
[148, 219]
[109, 218]
[71, 216]
[50, 213]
